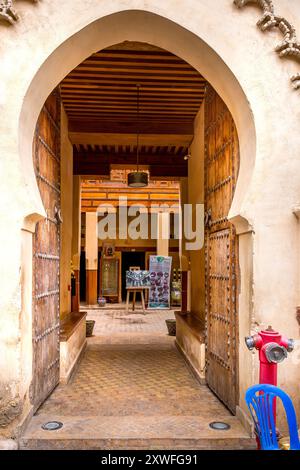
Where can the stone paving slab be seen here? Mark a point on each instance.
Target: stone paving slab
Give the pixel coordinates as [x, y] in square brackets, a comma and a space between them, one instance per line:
[136, 432]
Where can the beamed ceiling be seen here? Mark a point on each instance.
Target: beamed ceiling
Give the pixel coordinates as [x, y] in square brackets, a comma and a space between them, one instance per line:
[100, 99]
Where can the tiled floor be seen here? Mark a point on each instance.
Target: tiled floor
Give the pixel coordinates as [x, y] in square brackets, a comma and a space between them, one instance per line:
[132, 389]
[122, 380]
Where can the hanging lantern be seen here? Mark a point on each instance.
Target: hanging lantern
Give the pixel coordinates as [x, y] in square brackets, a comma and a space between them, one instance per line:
[137, 179]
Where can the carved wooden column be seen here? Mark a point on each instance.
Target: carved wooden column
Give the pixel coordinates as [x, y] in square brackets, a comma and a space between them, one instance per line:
[91, 253]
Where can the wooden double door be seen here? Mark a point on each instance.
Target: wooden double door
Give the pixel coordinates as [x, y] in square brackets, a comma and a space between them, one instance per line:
[221, 170]
[46, 253]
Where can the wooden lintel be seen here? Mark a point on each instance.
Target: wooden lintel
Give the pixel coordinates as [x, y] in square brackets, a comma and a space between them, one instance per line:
[124, 159]
[92, 138]
[164, 171]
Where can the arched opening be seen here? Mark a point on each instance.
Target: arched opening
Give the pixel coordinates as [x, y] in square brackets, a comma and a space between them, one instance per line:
[145, 27]
[154, 30]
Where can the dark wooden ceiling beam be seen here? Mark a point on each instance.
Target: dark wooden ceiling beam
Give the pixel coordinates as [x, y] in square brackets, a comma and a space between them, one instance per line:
[133, 78]
[89, 138]
[154, 113]
[154, 88]
[112, 99]
[145, 109]
[99, 97]
[79, 94]
[135, 64]
[178, 171]
[129, 126]
[95, 158]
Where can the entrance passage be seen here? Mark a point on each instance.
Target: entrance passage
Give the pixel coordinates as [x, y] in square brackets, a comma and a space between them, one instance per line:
[133, 390]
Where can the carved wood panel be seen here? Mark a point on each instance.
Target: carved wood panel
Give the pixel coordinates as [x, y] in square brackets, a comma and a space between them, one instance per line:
[221, 169]
[46, 253]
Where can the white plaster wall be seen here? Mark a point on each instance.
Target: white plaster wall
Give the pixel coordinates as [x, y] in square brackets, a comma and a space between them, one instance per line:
[50, 39]
[66, 202]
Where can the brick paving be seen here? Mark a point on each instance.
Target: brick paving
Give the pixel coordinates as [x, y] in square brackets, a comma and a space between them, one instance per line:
[132, 389]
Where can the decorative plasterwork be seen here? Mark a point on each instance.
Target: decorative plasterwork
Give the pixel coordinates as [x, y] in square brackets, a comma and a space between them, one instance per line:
[290, 46]
[296, 211]
[7, 11]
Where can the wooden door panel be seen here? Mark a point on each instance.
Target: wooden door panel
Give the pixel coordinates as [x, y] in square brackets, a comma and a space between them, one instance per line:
[47, 282]
[221, 170]
[46, 254]
[48, 166]
[48, 133]
[46, 237]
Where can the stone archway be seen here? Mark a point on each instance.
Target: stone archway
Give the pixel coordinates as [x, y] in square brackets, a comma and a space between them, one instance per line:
[101, 29]
[139, 26]
[157, 30]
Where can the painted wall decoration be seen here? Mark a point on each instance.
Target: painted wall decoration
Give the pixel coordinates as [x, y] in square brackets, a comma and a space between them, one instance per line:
[160, 277]
[137, 279]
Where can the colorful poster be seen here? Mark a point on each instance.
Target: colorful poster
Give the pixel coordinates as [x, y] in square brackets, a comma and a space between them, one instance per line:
[160, 275]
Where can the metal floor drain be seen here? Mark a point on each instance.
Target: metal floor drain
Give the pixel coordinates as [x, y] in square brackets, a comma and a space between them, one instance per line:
[52, 426]
[219, 426]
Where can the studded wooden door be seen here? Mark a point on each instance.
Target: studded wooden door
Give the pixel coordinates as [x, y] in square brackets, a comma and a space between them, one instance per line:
[46, 253]
[221, 169]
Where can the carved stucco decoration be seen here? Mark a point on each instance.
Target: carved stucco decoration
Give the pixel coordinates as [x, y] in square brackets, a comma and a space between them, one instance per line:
[290, 46]
[7, 11]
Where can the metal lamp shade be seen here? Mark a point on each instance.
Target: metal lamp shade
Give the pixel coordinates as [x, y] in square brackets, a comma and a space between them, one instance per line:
[137, 179]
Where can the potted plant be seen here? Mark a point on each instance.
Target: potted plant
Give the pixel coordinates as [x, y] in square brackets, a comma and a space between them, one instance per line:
[171, 325]
[90, 324]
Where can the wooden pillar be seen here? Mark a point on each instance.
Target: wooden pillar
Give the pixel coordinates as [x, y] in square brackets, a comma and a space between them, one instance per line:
[163, 235]
[184, 291]
[91, 253]
[76, 240]
[66, 201]
[184, 254]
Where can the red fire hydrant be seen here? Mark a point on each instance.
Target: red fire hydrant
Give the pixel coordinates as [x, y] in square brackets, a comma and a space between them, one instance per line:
[273, 349]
